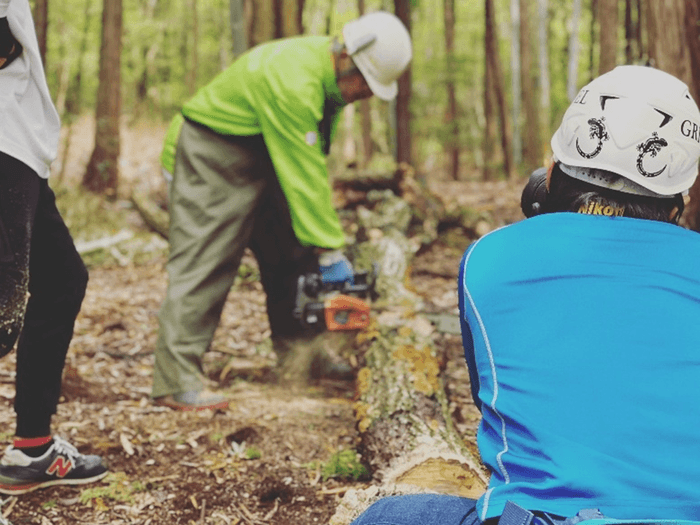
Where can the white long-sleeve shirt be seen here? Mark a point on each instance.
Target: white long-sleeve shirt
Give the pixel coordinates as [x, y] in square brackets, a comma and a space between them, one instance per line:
[29, 122]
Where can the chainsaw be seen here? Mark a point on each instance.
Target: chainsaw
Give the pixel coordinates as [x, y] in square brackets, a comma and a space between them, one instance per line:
[333, 306]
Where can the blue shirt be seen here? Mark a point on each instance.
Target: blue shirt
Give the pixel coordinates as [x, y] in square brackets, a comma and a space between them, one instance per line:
[582, 335]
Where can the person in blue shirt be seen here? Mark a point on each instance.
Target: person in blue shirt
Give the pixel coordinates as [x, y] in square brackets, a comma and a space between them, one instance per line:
[580, 325]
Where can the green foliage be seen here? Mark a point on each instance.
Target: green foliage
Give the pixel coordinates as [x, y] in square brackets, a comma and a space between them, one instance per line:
[165, 57]
[119, 488]
[90, 217]
[344, 465]
[247, 274]
[252, 453]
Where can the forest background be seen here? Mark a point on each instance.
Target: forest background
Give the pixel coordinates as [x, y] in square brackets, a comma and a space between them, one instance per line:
[488, 84]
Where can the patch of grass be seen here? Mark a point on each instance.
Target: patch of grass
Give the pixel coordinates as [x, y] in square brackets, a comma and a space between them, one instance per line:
[344, 465]
[49, 504]
[119, 489]
[247, 274]
[90, 216]
[252, 453]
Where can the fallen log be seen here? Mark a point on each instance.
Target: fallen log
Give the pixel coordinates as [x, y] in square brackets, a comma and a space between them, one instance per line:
[407, 438]
[152, 214]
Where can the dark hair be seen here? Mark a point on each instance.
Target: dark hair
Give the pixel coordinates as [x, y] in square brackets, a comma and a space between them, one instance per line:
[568, 194]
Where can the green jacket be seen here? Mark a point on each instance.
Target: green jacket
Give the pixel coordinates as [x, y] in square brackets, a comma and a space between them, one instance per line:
[285, 90]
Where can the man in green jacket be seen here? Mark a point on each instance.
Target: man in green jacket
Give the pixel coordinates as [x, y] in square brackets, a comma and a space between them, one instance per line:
[248, 162]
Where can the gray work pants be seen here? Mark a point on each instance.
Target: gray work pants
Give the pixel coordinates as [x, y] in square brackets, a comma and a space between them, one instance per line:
[224, 197]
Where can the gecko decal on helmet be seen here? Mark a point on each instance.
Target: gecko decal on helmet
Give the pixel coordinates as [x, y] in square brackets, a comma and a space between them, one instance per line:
[651, 147]
[597, 131]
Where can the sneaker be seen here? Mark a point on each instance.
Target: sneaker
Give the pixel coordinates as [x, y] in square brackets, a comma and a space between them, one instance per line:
[193, 400]
[62, 464]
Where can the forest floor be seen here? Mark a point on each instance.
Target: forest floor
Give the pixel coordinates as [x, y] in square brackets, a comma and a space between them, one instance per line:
[261, 461]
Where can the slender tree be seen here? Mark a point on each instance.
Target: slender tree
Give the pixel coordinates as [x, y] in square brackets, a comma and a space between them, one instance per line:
[490, 115]
[102, 172]
[532, 140]
[630, 32]
[450, 84]
[592, 71]
[41, 24]
[238, 27]
[269, 19]
[497, 84]
[572, 72]
[515, 79]
[543, 62]
[692, 30]
[668, 45]
[608, 18]
[402, 9]
[366, 115]
[193, 62]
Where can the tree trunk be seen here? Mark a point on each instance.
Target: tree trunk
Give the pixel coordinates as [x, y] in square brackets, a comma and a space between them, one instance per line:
[300, 16]
[692, 21]
[102, 171]
[629, 33]
[492, 56]
[642, 47]
[73, 100]
[453, 142]
[366, 115]
[349, 145]
[572, 72]
[532, 140]
[402, 9]
[692, 33]
[193, 62]
[543, 59]
[593, 38]
[270, 19]
[489, 95]
[261, 22]
[239, 34]
[669, 46]
[608, 17]
[41, 24]
[516, 86]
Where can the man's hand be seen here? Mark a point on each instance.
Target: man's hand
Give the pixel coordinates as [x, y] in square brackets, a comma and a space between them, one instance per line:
[9, 47]
[335, 267]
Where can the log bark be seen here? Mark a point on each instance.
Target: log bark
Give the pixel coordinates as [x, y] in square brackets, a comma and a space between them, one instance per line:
[407, 437]
[153, 215]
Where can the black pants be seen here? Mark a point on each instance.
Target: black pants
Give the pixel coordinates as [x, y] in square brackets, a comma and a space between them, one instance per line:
[37, 257]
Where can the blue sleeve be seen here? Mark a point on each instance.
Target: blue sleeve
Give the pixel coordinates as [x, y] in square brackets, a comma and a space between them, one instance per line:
[467, 340]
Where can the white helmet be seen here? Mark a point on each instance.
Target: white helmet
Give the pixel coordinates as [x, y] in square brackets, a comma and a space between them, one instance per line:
[380, 46]
[637, 122]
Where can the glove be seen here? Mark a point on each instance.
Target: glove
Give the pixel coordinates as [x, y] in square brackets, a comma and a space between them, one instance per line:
[335, 268]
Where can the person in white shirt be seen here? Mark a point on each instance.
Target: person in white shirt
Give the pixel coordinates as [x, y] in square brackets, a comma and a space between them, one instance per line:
[42, 277]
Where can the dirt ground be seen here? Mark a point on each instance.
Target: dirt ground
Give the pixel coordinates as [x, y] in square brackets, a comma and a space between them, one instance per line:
[260, 461]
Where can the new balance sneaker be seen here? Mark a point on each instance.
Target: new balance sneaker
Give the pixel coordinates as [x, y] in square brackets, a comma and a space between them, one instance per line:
[62, 464]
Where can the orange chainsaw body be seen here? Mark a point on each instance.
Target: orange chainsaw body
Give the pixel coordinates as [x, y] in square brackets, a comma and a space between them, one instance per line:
[344, 312]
